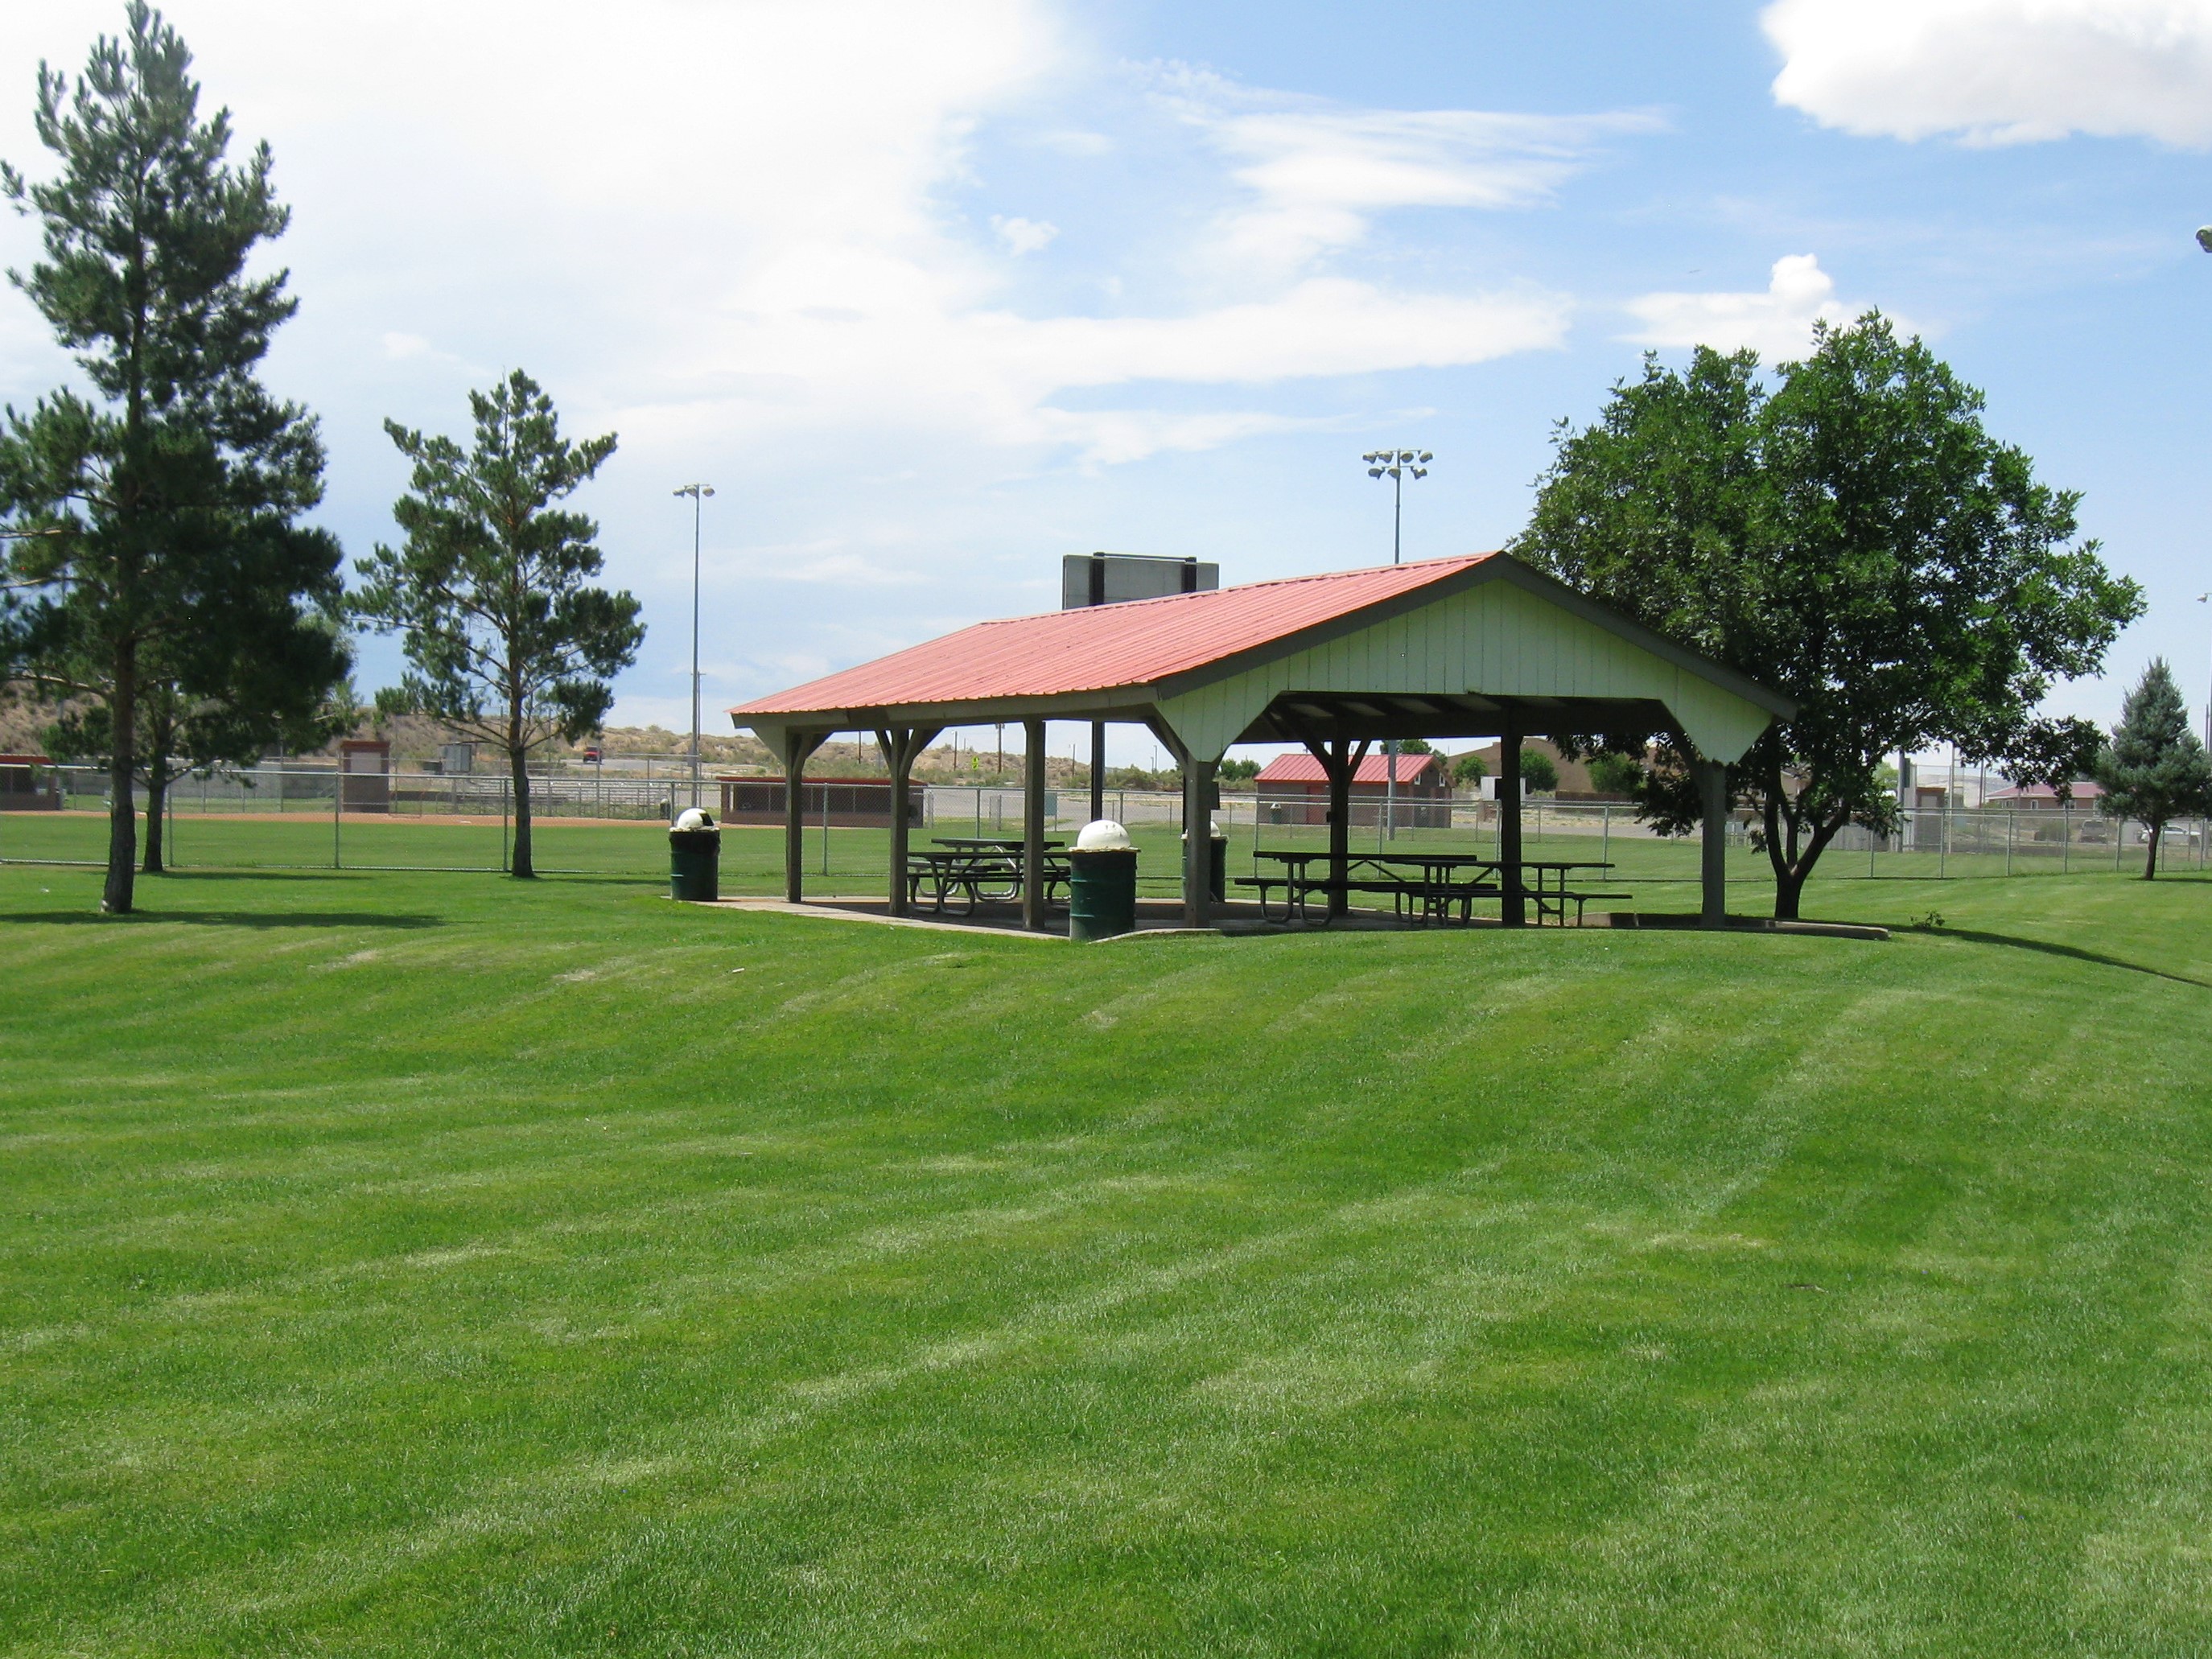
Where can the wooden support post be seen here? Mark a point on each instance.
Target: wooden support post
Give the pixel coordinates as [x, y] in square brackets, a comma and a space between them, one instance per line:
[901, 746]
[799, 748]
[1197, 840]
[1033, 823]
[1513, 905]
[1339, 762]
[1097, 770]
[1712, 862]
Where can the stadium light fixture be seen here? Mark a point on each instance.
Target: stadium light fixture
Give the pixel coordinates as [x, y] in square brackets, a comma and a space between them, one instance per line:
[698, 493]
[1395, 465]
[2206, 599]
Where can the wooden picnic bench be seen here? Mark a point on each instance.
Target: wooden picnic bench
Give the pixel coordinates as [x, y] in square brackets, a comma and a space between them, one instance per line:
[1444, 881]
[981, 874]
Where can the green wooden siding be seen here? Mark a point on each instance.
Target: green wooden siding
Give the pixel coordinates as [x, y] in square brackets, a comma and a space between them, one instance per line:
[1493, 640]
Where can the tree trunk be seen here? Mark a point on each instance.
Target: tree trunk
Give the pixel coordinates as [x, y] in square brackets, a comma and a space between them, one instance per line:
[157, 796]
[122, 817]
[2153, 832]
[1789, 884]
[519, 759]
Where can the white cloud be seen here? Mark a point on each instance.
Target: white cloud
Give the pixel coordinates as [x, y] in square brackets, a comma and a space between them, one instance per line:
[760, 248]
[1024, 235]
[1999, 71]
[757, 239]
[1777, 323]
[1322, 172]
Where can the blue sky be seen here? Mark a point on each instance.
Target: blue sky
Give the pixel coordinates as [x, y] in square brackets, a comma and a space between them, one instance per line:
[935, 295]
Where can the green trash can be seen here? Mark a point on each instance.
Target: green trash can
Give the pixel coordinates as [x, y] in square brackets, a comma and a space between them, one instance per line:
[1217, 867]
[1101, 882]
[695, 859]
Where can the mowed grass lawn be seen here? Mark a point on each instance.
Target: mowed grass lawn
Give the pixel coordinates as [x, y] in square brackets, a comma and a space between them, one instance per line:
[437, 1264]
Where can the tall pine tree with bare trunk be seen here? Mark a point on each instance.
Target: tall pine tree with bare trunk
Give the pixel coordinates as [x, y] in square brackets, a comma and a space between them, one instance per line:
[153, 535]
[506, 635]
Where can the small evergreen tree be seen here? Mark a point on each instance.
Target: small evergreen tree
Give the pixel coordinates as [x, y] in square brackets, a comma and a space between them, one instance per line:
[2154, 770]
[491, 594]
[1538, 773]
[156, 556]
[1470, 768]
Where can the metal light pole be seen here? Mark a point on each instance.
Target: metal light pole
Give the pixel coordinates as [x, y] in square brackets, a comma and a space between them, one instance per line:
[2206, 599]
[698, 493]
[1395, 465]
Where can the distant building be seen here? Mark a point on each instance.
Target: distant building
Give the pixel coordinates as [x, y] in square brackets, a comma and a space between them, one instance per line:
[29, 783]
[1293, 789]
[2041, 797]
[1574, 776]
[861, 803]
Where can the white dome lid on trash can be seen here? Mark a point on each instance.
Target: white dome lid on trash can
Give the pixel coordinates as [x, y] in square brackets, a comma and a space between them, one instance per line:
[695, 817]
[1104, 835]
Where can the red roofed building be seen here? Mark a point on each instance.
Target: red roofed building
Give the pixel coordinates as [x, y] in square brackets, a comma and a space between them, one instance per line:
[1294, 789]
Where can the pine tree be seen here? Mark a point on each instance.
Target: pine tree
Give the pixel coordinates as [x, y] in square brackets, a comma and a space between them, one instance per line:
[2154, 770]
[507, 639]
[153, 549]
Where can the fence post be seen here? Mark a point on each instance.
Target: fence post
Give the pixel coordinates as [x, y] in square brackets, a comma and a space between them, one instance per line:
[2009, 827]
[1605, 837]
[502, 825]
[825, 829]
[337, 814]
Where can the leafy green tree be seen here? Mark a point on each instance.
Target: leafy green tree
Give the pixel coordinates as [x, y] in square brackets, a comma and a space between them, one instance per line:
[1470, 768]
[154, 551]
[1615, 773]
[1850, 535]
[1239, 770]
[1414, 746]
[2154, 770]
[508, 640]
[1538, 773]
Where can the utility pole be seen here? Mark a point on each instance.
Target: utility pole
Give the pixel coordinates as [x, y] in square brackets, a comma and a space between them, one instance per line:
[1395, 465]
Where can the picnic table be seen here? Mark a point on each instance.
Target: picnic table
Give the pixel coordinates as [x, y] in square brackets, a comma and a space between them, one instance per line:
[1425, 887]
[981, 869]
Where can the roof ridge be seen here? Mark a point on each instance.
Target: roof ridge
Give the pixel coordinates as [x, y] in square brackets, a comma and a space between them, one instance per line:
[1242, 587]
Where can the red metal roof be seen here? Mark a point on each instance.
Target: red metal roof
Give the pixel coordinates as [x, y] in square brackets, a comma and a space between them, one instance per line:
[1135, 643]
[1300, 767]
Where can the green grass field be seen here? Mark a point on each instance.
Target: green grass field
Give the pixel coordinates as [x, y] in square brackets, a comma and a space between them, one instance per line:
[853, 860]
[436, 1264]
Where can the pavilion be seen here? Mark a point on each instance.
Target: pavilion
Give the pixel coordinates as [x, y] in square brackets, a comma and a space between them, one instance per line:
[1479, 646]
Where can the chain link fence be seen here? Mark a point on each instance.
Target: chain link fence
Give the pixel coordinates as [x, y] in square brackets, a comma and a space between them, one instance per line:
[587, 822]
